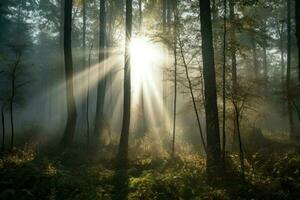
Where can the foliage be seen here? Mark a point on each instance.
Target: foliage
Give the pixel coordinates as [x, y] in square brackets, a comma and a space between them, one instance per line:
[28, 175]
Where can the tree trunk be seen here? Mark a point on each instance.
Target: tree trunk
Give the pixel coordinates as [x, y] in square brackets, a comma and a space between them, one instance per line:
[3, 128]
[140, 15]
[142, 102]
[83, 57]
[99, 124]
[241, 151]
[68, 137]
[297, 20]
[88, 100]
[12, 98]
[282, 55]
[224, 85]
[175, 88]
[211, 109]
[254, 56]
[233, 68]
[265, 64]
[288, 71]
[165, 66]
[123, 146]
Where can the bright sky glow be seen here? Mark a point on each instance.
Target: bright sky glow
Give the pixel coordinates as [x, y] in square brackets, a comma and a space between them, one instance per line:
[145, 57]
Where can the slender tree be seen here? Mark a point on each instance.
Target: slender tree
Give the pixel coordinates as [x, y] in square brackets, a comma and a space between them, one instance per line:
[3, 126]
[88, 98]
[224, 83]
[211, 109]
[68, 137]
[99, 125]
[175, 11]
[288, 71]
[83, 54]
[192, 93]
[142, 101]
[233, 67]
[297, 20]
[123, 145]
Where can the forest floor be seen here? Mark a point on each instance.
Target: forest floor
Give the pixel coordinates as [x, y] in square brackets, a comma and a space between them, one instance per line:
[78, 174]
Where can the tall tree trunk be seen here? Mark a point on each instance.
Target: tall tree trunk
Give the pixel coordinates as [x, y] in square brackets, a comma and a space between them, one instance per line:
[3, 128]
[211, 109]
[175, 11]
[282, 55]
[123, 146]
[164, 15]
[143, 123]
[68, 137]
[233, 68]
[169, 13]
[83, 57]
[241, 151]
[140, 15]
[88, 99]
[265, 64]
[12, 98]
[297, 20]
[254, 55]
[224, 84]
[288, 72]
[166, 64]
[99, 124]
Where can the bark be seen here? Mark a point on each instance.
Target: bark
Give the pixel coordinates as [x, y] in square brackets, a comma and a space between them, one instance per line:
[142, 102]
[169, 11]
[265, 64]
[282, 55]
[166, 64]
[88, 99]
[254, 56]
[175, 88]
[241, 151]
[224, 84]
[99, 125]
[140, 15]
[12, 98]
[83, 55]
[297, 20]
[123, 146]
[69, 133]
[288, 72]
[164, 15]
[211, 109]
[3, 128]
[233, 68]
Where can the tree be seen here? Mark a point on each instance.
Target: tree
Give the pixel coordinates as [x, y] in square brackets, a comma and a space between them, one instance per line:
[224, 83]
[233, 66]
[211, 109]
[175, 78]
[190, 86]
[123, 145]
[3, 126]
[288, 71]
[99, 125]
[84, 111]
[297, 20]
[69, 133]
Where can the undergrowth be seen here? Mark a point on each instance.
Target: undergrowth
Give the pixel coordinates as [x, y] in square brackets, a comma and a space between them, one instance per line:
[28, 175]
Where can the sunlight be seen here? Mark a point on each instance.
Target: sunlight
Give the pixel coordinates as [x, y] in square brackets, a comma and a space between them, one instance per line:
[145, 56]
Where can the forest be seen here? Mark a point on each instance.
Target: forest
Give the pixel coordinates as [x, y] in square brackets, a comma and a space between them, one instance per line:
[150, 99]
